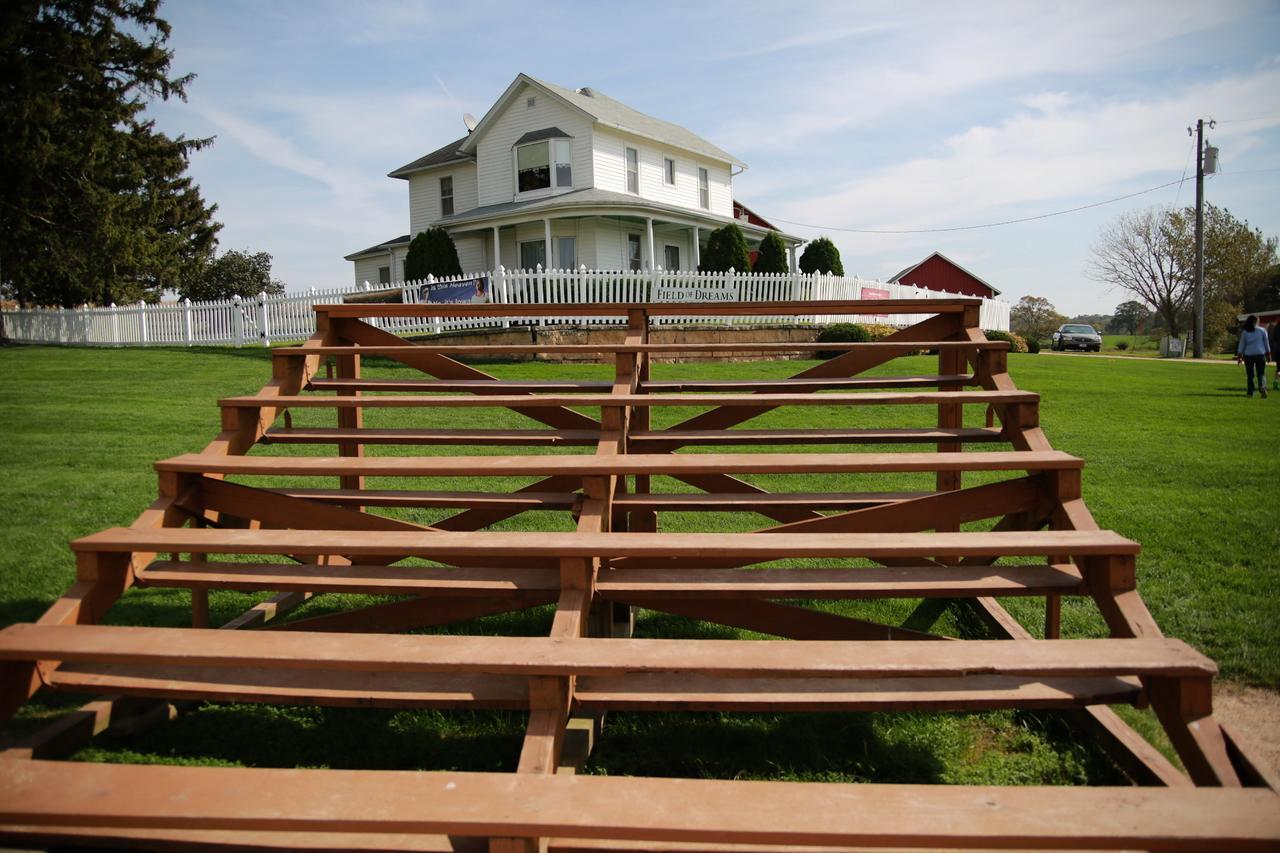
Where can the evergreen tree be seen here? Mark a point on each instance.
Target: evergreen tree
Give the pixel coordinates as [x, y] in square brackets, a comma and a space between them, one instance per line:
[433, 253]
[773, 254]
[95, 204]
[821, 256]
[726, 250]
[233, 273]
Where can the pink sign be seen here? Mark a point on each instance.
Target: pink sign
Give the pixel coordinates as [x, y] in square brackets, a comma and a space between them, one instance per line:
[876, 293]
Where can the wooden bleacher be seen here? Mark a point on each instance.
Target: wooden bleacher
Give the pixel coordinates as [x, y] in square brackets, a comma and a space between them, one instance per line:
[991, 523]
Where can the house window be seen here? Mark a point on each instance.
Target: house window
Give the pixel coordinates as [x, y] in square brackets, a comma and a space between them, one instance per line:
[634, 260]
[564, 163]
[672, 257]
[669, 171]
[535, 162]
[704, 190]
[446, 195]
[633, 171]
[568, 253]
[532, 254]
[384, 275]
[533, 167]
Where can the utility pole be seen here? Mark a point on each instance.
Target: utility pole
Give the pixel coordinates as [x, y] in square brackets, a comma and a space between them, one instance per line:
[1199, 295]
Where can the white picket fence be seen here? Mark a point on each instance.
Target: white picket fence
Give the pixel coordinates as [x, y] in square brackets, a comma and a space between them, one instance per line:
[265, 318]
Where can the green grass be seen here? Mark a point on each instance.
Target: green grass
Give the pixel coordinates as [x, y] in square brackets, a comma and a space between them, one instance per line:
[1177, 458]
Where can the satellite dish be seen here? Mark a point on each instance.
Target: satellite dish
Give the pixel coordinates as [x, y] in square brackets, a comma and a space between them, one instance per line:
[470, 121]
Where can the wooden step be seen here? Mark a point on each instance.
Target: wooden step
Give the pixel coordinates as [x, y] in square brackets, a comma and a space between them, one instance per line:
[370, 579]
[607, 348]
[680, 502]
[485, 437]
[681, 386]
[333, 688]
[192, 647]
[866, 398]
[478, 386]
[747, 546]
[604, 465]
[926, 435]
[967, 693]
[781, 308]
[873, 582]
[122, 797]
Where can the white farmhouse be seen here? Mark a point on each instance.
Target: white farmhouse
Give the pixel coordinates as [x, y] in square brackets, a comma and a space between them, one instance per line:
[568, 178]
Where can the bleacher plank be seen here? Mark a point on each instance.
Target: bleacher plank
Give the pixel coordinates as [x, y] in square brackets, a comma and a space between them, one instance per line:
[608, 348]
[602, 807]
[678, 502]
[928, 435]
[368, 579]
[561, 657]
[598, 465]
[479, 386]
[925, 581]
[484, 437]
[749, 546]
[786, 385]
[417, 401]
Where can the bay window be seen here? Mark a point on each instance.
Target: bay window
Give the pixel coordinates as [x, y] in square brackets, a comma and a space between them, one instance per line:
[544, 165]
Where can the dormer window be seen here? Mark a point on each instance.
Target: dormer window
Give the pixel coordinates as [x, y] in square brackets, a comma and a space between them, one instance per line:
[544, 160]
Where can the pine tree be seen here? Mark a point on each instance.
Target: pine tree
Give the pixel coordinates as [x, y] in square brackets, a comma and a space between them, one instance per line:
[96, 205]
[433, 253]
[821, 256]
[773, 254]
[726, 250]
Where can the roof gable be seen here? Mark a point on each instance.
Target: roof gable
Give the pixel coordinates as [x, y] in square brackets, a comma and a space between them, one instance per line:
[605, 111]
[899, 276]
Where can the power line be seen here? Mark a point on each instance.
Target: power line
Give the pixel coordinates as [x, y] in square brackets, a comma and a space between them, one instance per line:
[1243, 120]
[1179, 181]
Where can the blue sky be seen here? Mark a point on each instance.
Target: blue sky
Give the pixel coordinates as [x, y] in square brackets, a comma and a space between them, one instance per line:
[875, 116]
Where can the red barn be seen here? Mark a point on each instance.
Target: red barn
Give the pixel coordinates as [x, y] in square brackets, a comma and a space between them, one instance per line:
[938, 272]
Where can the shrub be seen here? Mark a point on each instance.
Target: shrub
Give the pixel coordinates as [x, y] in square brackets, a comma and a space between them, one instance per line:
[431, 253]
[1033, 345]
[821, 256]
[1016, 342]
[726, 250]
[773, 255]
[842, 333]
[879, 331]
[1122, 345]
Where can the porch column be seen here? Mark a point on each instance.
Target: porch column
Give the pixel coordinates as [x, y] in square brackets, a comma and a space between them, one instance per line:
[648, 231]
[697, 255]
[791, 258]
[546, 230]
[497, 250]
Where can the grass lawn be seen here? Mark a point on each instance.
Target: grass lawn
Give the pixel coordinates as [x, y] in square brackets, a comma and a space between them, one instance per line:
[1177, 458]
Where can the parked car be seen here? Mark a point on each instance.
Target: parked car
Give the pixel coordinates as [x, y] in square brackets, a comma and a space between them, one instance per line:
[1077, 336]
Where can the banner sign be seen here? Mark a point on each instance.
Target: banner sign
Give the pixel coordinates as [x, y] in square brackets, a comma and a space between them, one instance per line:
[452, 292]
[875, 293]
[709, 293]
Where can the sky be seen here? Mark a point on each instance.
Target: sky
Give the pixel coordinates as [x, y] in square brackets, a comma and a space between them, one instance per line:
[852, 116]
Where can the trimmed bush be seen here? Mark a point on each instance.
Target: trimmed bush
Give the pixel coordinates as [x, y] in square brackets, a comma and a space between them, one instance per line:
[821, 256]
[1122, 345]
[726, 250]
[1017, 342]
[842, 333]
[1033, 345]
[879, 331]
[773, 255]
[431, 253]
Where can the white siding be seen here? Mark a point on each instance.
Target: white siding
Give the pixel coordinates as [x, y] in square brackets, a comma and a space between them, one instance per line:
[424, 194]
[678, 237]
[473, 253]
[367, 269]
[610, 172]
[493, 151]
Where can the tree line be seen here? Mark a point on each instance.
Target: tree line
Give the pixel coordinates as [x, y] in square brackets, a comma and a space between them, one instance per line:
[96, 206]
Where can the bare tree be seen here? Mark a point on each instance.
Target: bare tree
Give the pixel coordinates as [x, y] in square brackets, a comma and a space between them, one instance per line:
[1140, 254]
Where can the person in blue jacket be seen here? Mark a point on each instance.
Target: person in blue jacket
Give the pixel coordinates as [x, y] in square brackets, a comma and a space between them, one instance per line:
[1254, 350]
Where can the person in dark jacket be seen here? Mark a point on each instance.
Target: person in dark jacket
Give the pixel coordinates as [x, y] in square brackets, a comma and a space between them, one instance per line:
[1254, 350]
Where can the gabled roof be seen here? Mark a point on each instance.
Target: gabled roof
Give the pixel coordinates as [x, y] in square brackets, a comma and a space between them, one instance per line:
[605, 111]
[978, 279]
[381, 247]
[445, 154]
[539, 135]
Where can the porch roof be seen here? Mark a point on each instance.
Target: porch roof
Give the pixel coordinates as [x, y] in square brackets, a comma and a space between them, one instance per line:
[586, 201]
[402, 240]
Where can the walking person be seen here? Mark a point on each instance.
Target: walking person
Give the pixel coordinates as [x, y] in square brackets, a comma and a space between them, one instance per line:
[1254, 350]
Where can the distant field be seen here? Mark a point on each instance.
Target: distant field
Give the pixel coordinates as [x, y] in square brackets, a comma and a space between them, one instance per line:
[1177, 458]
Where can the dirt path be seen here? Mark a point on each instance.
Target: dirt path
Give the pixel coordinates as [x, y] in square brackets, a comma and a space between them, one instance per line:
[1254, 713]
